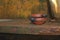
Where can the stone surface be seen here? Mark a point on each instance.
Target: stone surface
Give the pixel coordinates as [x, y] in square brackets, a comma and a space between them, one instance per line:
[25, 27]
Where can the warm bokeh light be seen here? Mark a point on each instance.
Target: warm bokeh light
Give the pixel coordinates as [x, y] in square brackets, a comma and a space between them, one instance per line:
[55, 3]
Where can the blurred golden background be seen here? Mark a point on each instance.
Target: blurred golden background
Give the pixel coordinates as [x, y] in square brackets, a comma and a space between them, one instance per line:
[21, 8]
[24, 8]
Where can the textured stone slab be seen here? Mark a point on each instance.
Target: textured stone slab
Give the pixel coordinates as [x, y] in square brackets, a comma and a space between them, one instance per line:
[25, 27]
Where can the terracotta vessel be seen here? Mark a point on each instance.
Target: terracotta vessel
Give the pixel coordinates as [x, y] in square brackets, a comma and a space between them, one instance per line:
[38, 19]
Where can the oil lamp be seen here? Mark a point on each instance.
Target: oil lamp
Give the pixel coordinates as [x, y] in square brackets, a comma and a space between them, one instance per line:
[38, 18]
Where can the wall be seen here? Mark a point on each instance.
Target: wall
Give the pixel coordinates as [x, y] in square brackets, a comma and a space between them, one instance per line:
[21, 8]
